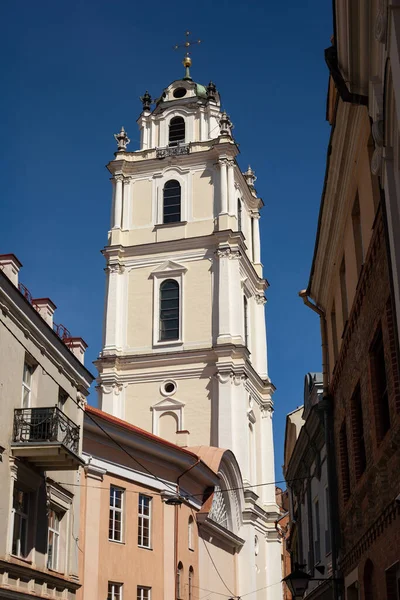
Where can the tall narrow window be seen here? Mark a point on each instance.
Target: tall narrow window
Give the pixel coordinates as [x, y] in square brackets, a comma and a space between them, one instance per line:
[143, 593]
[20, 522]
[176, 131]
[246, 321]
[190, 534]
[379, 385]
[344, 462]
[172, 202]
[369, 581]
[191, 576]
[179, 574]
[334, 334]
[239, 212]
[53, 540]
[169, 310]
[317, 532]
[26, 385]
[116, 514]
[144, 521]
[328, 541]
[114, 591]
[357, 426]
[343, 290]
[357, 234]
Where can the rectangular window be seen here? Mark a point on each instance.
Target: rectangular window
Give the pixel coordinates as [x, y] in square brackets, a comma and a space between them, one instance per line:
[344, 462]
[379, 385]
[357, 235]
[53, 540]
[114, 591]
[116, 514]
[26, 385]
[334, 334]
[143, 593]
[343, 291]
[328, 542]
[144, 521]
[357, 423]
[20, 514]
[62, 398]
[392, 576]
[317, 532]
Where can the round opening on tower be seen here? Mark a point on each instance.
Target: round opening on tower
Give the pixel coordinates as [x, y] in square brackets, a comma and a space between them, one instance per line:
[179, 93]
[168, 388]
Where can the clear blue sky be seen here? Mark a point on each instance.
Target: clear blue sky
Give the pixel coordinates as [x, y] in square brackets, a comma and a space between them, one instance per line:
[72, 75]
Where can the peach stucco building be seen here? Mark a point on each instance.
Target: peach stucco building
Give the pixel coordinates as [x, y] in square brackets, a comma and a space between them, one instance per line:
[131, 536]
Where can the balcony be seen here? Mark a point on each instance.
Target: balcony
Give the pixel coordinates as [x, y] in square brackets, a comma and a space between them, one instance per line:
[47, 438]
[177, 150]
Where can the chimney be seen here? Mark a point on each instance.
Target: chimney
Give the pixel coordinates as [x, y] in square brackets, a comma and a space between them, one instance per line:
[10, 266]
[45, 308]
[77, 346]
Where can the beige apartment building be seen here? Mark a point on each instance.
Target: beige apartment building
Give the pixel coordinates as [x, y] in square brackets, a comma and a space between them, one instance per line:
[43, 387]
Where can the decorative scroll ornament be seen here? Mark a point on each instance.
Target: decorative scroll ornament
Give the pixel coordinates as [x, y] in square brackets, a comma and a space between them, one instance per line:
[225, 125]
[115, 268]
[122, 140]
[228, 253]
[260, 299]
[378, 135]
[381, 22]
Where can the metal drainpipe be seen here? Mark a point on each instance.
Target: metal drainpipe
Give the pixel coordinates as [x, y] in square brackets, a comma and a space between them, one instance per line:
[330, 450]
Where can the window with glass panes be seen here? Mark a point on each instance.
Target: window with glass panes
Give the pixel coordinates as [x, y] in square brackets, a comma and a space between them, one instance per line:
[20, 522]
[116, 514]
[176, 131]
[169, 310]
[26, 385]
[172, 202]
[114, 591]
[143, 593]
[144, 521]
[53, 540]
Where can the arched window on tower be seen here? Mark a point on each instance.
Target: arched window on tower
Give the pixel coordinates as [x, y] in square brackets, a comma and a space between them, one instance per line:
[179, 574]
[169, 310]
[239, 214]
[176, 131]
[172, 202]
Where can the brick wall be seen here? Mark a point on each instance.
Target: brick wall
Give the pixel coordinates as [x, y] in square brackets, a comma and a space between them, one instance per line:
[369, 516]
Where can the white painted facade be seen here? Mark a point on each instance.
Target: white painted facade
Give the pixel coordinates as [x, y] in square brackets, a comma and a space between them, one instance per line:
[219, 393]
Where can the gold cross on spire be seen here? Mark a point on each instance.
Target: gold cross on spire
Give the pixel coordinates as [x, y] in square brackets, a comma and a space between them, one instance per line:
[187, 61]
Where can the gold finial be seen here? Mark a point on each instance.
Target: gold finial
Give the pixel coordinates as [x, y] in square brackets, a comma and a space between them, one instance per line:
[187, 61]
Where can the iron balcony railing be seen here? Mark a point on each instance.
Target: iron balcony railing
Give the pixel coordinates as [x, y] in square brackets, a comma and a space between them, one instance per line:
[177, 150]
[45, 426]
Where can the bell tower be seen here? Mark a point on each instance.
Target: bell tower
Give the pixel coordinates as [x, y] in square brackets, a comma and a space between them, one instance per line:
[184, 351]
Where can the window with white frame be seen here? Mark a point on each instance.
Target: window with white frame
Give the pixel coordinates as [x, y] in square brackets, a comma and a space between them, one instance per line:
[53, 540]
[144, 521]
[114, 591]
[20, 514]
[143, 593]
[172, 202]
[27, 385]
[176, 133]
[169, 310]
[190, 534]
[116, 514]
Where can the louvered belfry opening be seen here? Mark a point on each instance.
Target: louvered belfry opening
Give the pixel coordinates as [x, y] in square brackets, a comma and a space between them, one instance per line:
[169, 310]
[176, 131]
[172, 202]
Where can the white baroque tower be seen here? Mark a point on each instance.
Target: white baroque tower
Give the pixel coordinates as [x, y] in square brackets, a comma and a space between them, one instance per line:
[184, 350]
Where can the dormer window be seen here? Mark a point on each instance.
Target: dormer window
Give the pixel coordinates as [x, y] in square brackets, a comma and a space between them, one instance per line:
[179, 93]
[176, 131]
